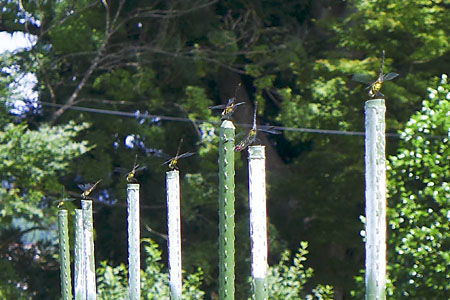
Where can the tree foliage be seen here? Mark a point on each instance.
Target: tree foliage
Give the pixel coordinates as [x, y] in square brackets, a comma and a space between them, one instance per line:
[112, 281]
[287, 279]
[31, 164]
[419, 213]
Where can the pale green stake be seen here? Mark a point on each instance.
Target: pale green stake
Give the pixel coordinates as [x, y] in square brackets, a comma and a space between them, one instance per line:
[88, 249]
[258, 220]
[375, 200]
[134, 257]
[226, 211]
[174, 233]
[79, 273]
[64, 255]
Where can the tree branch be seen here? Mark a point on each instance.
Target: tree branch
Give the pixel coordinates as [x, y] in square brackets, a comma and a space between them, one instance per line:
[109, 28]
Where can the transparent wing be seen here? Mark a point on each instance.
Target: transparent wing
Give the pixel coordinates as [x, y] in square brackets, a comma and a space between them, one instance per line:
[140, 169]
[85, 187]
[137, 170]
[362, 78]
[167, 161]
[187, 154]
[66, 200]
[63, 200]
[159, 153]
[120, 170]
[221, 106]
[390, 76]
[269, 129]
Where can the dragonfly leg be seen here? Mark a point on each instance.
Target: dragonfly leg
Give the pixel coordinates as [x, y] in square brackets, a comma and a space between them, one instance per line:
[379, 95]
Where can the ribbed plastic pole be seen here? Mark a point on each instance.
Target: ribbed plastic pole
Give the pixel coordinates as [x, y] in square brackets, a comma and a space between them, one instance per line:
[88, 243]
[226, 211]
[64, 255]
[174, 230]
[79, 259]
[258, 220]
[134, 256]
[375, 200]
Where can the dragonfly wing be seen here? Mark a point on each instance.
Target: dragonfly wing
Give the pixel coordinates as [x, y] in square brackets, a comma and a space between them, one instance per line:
[390, 76]
[362, 78]
[221, 106]
[270, 129]
[158, 153]
[240, 135]
[240, 103]
[85, 187]
[68, 199]
[140, 169]
[167, 161]
[120, 170]
[187, 154]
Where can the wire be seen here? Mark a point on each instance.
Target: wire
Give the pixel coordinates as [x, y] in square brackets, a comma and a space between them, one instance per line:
[156, 118]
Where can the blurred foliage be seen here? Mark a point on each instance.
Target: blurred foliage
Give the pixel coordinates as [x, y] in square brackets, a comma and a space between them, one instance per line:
[287, 279]
[31, 164]
[419, 189]
[112, 281]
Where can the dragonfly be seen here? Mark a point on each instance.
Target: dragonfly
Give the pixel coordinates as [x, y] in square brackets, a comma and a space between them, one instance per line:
[87, 189]
[63, 200]
[374, 87]
[131, 176]
[172, 162]
[251, 136]
[230, 107]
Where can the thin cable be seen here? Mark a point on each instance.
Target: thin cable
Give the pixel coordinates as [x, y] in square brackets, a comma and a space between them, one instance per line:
[156, 118]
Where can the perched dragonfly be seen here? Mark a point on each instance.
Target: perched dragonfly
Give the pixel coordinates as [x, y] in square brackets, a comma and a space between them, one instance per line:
[374, 87]
[64, 200]
[88, 188]
[230, 107]
[172, 162]
[131, 176]
[251, 136]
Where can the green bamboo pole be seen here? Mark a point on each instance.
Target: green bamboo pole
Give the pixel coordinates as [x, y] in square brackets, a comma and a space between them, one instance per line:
[174, 233]
[79, 273]
[88, 243]
[134, 260]
[375, 161]
[226, 211]
[258, 219]
[64, 255]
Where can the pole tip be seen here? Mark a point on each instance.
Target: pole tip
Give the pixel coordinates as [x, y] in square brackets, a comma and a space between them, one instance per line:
[256, 152]
[375, 102]
[227, 124]
[62, 212]
[86, 204]
[172, 174]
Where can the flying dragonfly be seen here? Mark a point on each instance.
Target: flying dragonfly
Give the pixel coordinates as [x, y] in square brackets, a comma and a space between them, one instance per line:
[374, 87]
[87, 189]
[131, 176]
[230, 107]
[172, 162]
[251, 136]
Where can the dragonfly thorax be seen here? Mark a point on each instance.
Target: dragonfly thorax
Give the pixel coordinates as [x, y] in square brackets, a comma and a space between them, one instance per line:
[173, 164]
